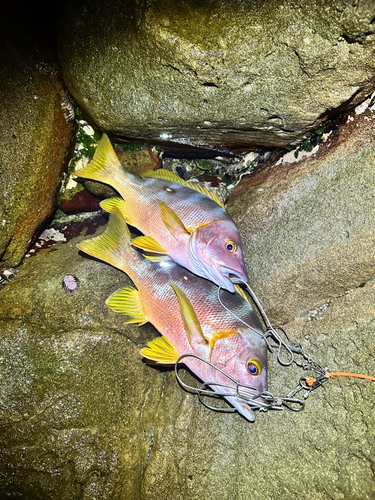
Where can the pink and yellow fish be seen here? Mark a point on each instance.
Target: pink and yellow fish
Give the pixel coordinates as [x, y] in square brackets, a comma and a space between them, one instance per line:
[179, 220]
[184, 308]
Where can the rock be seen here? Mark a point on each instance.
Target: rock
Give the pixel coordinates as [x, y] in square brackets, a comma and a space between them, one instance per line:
[307, 223]
[82, 416]
[139, 161]
[212, 75]
[35, 138]
[81, 201]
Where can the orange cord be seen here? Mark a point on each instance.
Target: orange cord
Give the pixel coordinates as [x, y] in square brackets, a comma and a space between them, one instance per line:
[310, 381]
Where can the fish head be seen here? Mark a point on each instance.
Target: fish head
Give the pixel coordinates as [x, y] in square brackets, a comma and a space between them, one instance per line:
[244, 359]
[217, 251]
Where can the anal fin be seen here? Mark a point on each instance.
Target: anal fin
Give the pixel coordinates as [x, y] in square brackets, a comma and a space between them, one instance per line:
[160, 350]
[113, 205]
[126, 301]
[148, 244]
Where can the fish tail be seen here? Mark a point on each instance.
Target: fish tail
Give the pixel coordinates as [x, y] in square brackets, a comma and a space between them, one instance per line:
[105, 166]
[114, 245]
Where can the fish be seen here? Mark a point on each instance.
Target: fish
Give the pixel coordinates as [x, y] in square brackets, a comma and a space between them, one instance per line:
[179, 220]
[185, 309]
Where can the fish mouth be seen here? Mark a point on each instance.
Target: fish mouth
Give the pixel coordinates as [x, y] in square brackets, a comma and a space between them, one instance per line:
[230, 276]
[243, 408]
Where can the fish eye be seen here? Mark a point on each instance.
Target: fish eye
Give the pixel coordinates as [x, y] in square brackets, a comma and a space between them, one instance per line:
[254, 367]
[231, 246]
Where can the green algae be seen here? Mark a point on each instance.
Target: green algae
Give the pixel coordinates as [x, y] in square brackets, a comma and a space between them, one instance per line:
[83, 417]
[86, 144]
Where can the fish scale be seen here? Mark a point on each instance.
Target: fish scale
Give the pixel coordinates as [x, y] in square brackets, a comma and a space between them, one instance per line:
[224, 338]
[187, 204]
[179, 220]
[153, 280]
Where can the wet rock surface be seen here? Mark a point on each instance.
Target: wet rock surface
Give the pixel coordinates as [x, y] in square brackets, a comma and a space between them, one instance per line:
[82, 416]
[35, 138]
[307, 223]
[191, 73]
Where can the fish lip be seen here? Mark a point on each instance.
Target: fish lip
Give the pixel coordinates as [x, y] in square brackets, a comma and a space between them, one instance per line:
[246, 411]
[224, 282]
[243, 409]
[232, 275]
[257, 403]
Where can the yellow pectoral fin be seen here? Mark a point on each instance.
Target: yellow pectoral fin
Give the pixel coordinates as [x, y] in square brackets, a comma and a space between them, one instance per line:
[171, 176]
[160, 350]
[148, 244]
[126, 301]
[116, 206]
[172, 221]
[192, 326]
[241, 292]
[221, 335]
[157, 258]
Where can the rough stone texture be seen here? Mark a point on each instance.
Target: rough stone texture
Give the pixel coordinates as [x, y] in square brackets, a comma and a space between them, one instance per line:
[81, 416]
[216, 73]
[34, 136]
[308, 226]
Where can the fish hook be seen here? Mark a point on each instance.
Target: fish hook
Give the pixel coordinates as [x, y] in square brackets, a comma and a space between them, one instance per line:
[212, 389]
[270, 330]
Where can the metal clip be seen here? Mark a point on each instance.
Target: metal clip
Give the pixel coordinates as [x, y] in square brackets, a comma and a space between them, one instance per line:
[286, 351]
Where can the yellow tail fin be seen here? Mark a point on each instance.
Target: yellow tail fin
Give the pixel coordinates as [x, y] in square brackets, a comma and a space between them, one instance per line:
[104, 165]
[111, 246]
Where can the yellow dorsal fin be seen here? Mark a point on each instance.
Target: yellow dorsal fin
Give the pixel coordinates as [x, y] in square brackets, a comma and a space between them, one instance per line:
[101, 167]
[220, 335]
[148, 244]
[164, 174]
[192, 326]
[207, 193]
[116, 206]
[241, 292]
[160, 350]
[112, 245]
[171, 176]
[172, 221]
[126, 301]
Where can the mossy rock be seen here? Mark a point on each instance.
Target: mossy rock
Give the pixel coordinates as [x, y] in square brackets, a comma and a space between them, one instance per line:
[82, 416]
[35, 139]
[217, 73]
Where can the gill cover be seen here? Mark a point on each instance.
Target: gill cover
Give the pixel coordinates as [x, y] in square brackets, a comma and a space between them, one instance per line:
[215, 250]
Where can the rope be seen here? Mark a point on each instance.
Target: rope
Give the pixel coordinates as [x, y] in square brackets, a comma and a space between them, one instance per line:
[311, 380]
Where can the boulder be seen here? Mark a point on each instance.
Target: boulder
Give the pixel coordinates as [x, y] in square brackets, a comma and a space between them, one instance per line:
[307, 222]
[216, 74]
[35, 138]
[82, 416]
